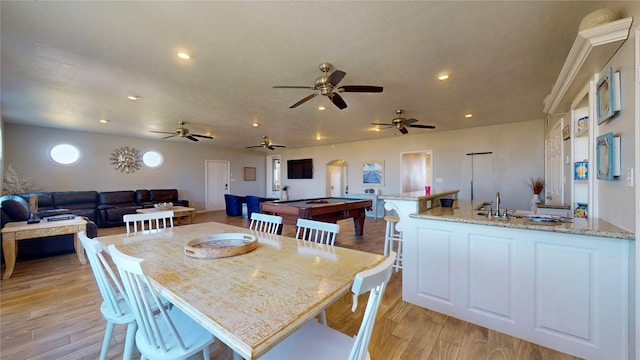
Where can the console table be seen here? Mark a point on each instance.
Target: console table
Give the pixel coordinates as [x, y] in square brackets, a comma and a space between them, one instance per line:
[16, 231]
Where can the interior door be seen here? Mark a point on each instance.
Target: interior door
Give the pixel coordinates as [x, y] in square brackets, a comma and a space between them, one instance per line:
[553, 189]
[217, 184]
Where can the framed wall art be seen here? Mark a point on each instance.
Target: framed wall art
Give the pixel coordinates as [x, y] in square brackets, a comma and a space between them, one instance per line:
[607, 95]
[249, 174]
[604, 156]
[373, 172]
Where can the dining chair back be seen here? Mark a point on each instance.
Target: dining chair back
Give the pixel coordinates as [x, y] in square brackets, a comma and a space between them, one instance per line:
[314, 341]
[148, 221]
[317, 231]
[265, 223]
[114, 308]
[162, 333]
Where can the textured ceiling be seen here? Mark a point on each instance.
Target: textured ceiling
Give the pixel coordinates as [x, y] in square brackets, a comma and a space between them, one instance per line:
[69, 64]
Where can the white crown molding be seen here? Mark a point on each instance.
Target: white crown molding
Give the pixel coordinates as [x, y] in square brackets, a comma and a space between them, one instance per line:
[607, 38]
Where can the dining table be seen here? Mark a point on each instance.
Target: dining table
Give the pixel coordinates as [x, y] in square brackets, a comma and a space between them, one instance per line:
[251, 301]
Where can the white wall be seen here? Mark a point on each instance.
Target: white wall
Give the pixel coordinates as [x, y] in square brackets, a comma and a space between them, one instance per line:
[614, 198]
[26, 148]
[518, 153]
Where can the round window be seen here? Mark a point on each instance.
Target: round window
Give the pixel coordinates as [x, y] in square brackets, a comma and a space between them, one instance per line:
[152, 159]
[65, 154]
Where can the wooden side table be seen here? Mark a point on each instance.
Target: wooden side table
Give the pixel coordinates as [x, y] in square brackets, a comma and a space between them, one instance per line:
[16, 231]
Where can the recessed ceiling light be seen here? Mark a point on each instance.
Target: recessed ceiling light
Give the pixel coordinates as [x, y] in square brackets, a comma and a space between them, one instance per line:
[443, 76]
[183, 55]
[104, 121]
[255, 124]
[376, 129]
[321, 108]
[318, 137]
[134, 98]
[468, 116]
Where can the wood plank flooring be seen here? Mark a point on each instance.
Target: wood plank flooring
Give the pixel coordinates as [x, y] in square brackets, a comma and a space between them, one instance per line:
[49, 309]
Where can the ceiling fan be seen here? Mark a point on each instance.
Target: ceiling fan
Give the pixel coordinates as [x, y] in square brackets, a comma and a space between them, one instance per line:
[327, 85]
[402, 124]
[182, 132]
[265, 144]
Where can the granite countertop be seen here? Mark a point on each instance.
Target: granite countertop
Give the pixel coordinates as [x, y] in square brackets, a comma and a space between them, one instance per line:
[467, 212]
[418, 195]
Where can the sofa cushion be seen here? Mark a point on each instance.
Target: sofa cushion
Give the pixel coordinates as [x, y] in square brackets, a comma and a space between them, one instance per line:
[143, 197]
[75, 199]
[163, 195]
[118, 198]
[14, 208]
[45, 200]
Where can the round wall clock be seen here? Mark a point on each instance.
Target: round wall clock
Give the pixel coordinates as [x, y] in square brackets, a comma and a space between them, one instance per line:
[126, 160]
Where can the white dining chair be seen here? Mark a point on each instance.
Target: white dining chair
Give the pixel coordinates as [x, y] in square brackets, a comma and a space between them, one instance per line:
[148, 221]
[265, 223]
[162, 333]
[321, 233]
[317, 231]
[114, 308]
[314, 341]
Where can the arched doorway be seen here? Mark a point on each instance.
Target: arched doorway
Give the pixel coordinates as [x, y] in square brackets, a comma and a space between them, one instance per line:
[337, 184]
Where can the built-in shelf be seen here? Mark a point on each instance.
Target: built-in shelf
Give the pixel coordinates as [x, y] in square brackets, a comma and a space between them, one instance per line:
[591, 50]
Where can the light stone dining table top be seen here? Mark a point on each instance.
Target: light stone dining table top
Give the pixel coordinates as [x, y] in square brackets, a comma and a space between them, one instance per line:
[251, 301]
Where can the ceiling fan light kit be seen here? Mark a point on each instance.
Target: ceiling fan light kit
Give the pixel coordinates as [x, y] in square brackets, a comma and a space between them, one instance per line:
[327, 85]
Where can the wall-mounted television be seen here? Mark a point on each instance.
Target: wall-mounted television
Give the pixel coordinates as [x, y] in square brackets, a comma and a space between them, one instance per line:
[300, 169]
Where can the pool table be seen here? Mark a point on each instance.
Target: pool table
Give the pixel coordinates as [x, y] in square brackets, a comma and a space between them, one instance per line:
[321, 209]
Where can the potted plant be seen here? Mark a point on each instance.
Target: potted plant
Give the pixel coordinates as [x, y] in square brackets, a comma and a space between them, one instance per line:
[285, 193]
[536, 186]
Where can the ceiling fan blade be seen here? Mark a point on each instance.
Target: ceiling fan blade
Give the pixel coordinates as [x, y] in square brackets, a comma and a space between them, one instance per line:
[304, 100]
[423, 126]
[403, 130]
[162, 132]
[203, 136]
[410, 121]
[336, 77]
[170, 136]
[338, 101]
[191, 138]
[360, 88]
[270, 147]
[280, 146]
[294, 87]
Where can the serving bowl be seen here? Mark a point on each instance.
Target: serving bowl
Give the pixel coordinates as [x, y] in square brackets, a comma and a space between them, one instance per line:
[447, 202]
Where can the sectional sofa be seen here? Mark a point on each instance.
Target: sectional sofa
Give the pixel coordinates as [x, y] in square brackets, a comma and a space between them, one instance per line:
[102, 208]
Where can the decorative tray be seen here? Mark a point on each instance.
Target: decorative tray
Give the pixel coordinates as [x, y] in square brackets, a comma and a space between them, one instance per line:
[221, 245]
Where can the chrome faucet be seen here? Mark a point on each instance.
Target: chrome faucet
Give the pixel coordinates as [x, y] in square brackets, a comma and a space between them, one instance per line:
[498, 204]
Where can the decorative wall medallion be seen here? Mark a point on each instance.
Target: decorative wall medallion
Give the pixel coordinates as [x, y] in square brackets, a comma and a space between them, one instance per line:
[125, 159]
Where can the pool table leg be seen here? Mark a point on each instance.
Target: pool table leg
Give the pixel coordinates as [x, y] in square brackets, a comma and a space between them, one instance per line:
[358, 222]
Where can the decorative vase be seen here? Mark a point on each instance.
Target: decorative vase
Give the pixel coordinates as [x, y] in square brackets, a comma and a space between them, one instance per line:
[285, 195]
[535, 201]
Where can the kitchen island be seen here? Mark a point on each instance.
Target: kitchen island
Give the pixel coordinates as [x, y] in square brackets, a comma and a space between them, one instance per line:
[566, 285]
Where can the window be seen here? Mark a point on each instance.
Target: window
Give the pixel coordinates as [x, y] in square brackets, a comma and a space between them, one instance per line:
[152, 159]
[65, 154]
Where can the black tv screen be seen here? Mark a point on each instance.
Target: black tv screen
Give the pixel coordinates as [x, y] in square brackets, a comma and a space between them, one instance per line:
[300, 169]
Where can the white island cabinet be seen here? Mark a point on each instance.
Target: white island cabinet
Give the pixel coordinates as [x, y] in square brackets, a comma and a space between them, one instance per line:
[562, 285]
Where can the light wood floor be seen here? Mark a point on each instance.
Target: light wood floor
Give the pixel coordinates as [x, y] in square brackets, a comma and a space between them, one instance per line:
[49, 309]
